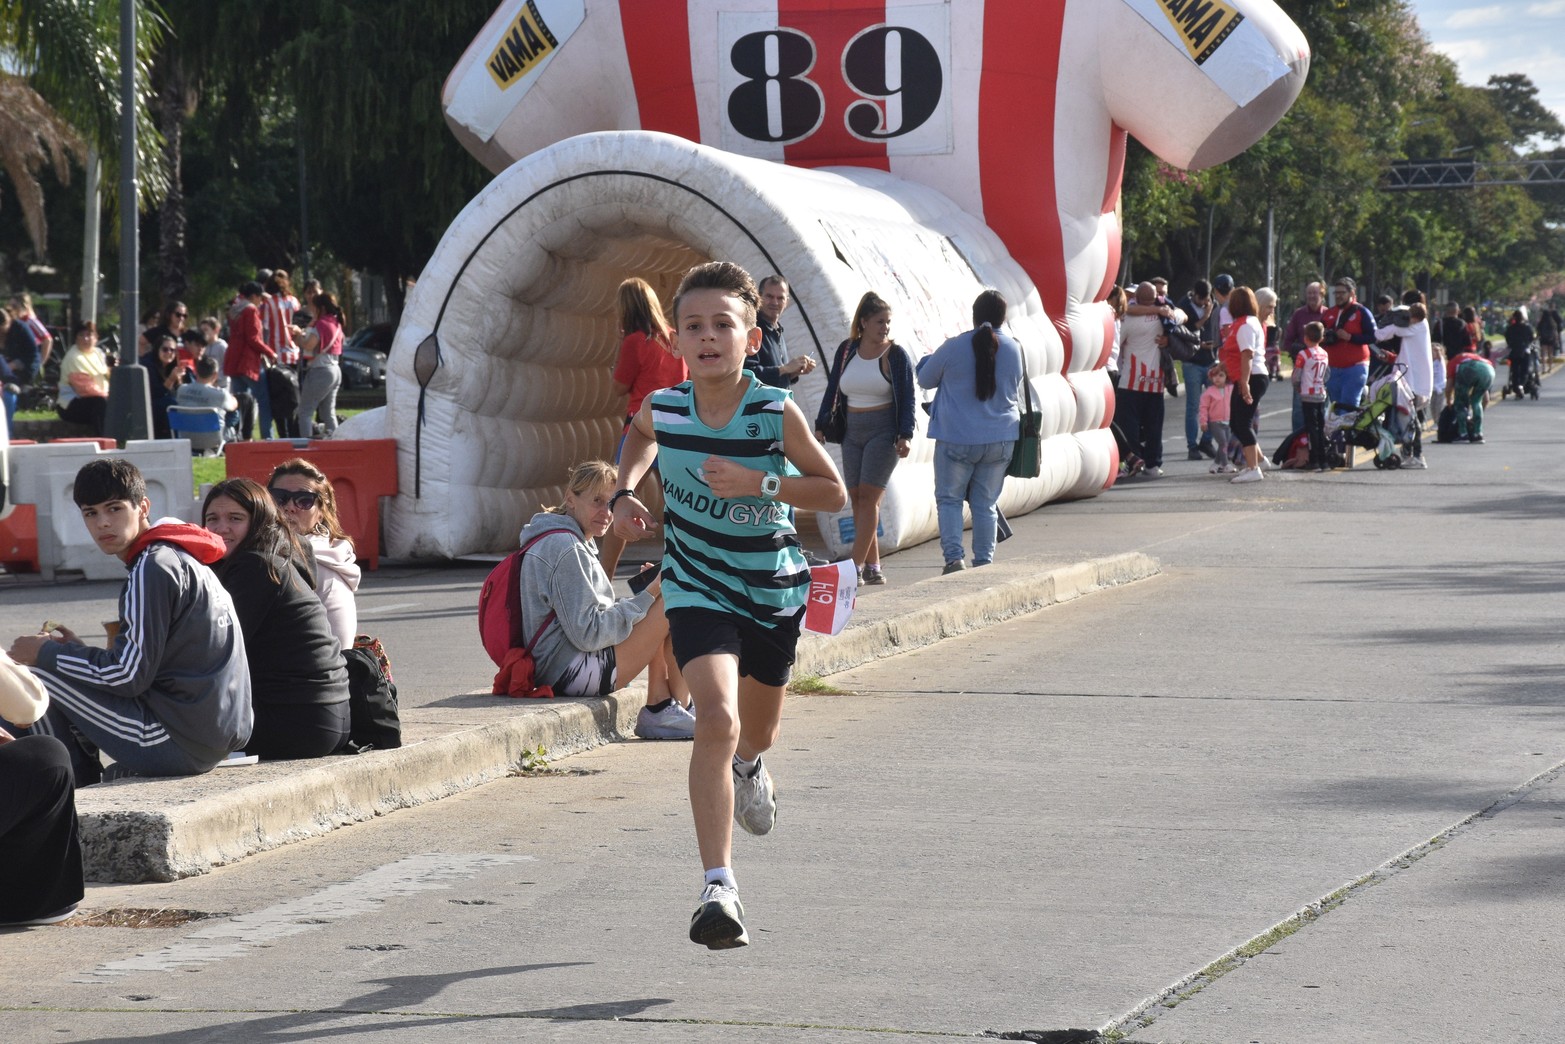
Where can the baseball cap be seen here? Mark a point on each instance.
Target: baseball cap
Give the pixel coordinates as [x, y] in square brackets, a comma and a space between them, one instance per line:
[1223, 284]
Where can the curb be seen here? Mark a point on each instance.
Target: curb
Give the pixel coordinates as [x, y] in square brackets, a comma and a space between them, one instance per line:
[136, 830]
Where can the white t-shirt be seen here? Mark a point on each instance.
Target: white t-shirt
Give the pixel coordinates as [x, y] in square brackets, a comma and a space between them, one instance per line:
[1251, 338]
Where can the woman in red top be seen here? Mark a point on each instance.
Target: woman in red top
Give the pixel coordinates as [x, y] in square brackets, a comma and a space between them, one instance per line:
[646, 363]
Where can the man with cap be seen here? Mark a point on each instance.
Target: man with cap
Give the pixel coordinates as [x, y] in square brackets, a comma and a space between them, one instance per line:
[1350, 330]
[1313, 310]
[1198, 307]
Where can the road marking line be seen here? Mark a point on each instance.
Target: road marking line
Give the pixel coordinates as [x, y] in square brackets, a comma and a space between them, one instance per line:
[367, 893]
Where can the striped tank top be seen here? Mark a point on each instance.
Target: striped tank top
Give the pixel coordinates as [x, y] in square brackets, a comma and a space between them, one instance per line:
[739, 555]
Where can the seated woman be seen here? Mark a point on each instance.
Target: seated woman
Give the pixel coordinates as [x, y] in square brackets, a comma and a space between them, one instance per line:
[308, 504]
[298, 681]
[588, 643]
[84, 380]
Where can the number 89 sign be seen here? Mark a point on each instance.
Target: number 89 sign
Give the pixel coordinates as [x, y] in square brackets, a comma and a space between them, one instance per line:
[833, 86]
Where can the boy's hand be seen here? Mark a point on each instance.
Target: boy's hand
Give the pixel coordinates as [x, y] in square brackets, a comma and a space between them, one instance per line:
[632, 520]
[25, 649]
[729, 480]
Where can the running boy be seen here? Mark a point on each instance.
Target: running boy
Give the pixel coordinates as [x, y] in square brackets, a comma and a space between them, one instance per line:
[734, 453]
[171, 695]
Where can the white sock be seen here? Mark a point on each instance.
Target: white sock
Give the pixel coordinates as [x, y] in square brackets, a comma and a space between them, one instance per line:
[746, 768]
[721, 875]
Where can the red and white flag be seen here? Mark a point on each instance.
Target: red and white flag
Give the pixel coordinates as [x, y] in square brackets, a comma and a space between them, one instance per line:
[833, 589]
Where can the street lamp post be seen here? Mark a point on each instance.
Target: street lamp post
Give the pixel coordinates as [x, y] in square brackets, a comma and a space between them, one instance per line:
[129, 413]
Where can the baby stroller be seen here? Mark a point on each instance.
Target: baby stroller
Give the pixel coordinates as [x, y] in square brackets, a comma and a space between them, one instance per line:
[1383, 424]
[1525, 369]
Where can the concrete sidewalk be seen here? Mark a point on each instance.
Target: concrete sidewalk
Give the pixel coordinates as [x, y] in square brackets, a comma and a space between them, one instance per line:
[164, 829]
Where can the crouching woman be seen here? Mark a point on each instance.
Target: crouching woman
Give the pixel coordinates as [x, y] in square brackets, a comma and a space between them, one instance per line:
[584, 641]
[299, 683]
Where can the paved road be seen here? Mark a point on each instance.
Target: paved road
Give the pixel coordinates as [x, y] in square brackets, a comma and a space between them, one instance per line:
[1036, 828]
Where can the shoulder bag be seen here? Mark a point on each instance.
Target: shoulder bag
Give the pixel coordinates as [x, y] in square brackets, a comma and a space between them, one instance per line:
[1027, 455]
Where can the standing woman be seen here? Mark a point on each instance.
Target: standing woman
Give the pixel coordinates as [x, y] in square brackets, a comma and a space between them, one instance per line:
[307, 502]
[1475, 334]
[1244, 355]
[975, 423]
[871, 382]
[646, 363]
[84, 380]
[298, 681]
[1266, 312]
[320, 351]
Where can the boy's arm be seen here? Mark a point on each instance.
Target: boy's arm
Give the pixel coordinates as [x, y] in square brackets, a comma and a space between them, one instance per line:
[816, 488]
[631, 517]
[129, 667]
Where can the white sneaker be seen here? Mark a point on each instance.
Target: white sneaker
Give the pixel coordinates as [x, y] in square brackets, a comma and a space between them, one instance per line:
[755, 800]
[718, 923]
[1415, 463]
[1152, 473]
[1248, 475]
[673, 722]
[1215, 469]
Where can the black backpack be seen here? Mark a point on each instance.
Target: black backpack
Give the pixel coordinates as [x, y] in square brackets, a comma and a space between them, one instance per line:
[372, 698]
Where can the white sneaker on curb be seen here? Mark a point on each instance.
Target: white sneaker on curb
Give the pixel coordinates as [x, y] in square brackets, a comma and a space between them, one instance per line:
[1415, 463]
[718, 923]
[1248, 475]
[673, 722]
[755, 800]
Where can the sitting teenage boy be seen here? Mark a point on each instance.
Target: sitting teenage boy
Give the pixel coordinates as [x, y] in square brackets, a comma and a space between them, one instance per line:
[171, 696]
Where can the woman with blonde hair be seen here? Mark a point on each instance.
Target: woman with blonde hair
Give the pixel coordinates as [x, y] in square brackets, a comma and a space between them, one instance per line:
[646, 362]
[305, 499]
[1266, 312]
[584, 641]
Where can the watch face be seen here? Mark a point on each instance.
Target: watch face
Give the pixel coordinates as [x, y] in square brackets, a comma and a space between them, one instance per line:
[770, 485]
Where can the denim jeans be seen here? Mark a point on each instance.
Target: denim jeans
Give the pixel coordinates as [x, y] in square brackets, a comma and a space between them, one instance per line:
[1345, 384]
[1195, 381]
[974, 475]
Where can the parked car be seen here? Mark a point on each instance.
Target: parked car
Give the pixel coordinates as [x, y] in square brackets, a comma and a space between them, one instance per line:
[364, 356]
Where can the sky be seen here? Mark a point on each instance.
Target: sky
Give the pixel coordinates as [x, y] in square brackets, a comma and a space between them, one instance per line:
[1485, 39]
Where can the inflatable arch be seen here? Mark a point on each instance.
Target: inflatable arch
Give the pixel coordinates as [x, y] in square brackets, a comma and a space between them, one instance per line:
[920, 149]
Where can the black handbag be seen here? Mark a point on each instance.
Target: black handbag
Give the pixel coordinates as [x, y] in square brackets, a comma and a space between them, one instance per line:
[836, 426]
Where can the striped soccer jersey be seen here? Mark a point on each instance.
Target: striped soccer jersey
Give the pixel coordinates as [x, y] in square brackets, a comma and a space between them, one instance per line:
[733, 555]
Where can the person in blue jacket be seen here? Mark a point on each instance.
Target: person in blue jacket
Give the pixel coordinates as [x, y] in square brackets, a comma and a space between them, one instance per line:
[870, 389]
[975, 422]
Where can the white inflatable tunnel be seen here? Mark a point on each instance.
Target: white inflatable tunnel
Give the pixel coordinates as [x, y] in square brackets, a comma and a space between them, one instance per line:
[923, 149]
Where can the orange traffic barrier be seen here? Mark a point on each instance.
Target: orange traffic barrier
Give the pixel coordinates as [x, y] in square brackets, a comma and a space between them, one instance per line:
[19, 540]
[361, 472]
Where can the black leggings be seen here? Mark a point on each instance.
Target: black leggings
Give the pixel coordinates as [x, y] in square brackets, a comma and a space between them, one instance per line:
[1241, 414]
[298, 730]
[41, 872]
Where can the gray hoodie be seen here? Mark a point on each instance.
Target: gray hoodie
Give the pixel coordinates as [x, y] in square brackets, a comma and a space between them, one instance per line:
[561, 573]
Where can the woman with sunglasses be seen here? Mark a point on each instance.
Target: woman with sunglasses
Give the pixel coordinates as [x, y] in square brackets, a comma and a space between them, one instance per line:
[162, 362]
[298, 681]
[307, 503]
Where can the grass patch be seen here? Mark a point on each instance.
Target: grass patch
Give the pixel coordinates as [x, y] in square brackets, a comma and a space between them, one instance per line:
[813, 685]
[208, 469]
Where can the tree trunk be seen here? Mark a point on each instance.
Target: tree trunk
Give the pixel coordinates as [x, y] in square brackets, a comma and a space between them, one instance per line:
[173, 262]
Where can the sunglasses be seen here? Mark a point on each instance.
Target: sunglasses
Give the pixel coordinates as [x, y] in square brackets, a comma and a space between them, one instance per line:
[181, 315]
[301, 497]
